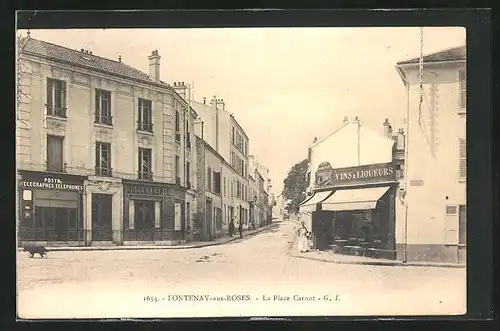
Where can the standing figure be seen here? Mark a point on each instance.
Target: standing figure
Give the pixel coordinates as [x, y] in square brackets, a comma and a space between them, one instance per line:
[240, 228]
[231, 228]
[303, 238]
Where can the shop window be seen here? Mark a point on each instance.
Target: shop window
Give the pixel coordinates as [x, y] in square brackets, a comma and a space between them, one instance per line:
[102, 159]
[103, 107]
[145, 116]
[55, 153]
[56, 98]
[399, 171]
[145, 164]
[463, 89]
[144, 215]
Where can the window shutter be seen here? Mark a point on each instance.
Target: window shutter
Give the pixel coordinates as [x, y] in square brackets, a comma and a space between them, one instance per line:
[451, 225]
[463, 88]
[463, 158]
[50, 87]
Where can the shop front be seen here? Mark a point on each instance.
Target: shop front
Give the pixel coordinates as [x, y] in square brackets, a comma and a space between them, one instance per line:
[155, 213]
[353, 210]
[51, 208]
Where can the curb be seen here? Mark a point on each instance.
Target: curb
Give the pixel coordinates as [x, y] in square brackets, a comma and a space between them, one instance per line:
[135, 248]
[377, 263]
[383, 263]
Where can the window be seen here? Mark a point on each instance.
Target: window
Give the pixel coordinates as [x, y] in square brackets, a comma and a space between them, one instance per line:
[225, 186]
[145, 120]
[463, 158]
[103, 107]
[232, 190]
[233, 139]
[102, 159]
[463, 88]
[462, 225]
[145, 164]
[177, 127]
[217, 182]
[56, 97]
[188, 136]
[188, 174]
[177, 166]
[55, 153]
[209, 179]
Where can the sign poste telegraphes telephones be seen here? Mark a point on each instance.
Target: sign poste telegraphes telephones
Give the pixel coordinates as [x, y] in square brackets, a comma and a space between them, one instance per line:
[50, 182]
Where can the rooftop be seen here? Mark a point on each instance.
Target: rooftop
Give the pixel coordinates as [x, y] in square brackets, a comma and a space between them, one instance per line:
[85, 58]
[451, 54]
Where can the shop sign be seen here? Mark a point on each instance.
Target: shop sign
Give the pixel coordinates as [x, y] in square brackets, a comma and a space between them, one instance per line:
[145, 190]
[369, 173]
[51, 182]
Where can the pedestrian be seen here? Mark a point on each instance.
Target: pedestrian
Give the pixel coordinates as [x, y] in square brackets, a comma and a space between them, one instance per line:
[240, 228]
[231, 228]
[303, 238]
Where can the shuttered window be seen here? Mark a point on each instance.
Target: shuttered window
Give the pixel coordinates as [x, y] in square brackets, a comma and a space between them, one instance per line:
[463, 158]
[451, 225]
[463, 88]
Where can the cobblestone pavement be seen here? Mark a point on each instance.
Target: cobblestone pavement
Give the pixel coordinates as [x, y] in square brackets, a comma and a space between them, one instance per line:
[137, 284]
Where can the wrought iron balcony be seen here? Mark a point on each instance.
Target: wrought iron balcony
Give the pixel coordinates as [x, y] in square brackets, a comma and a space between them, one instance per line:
[56, 111]
[145, 175]
[104, 171]
[103, 119]
[145, 126]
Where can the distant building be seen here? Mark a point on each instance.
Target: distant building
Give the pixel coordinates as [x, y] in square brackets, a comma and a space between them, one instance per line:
[436, 165]
[227, 138]
[104, 151]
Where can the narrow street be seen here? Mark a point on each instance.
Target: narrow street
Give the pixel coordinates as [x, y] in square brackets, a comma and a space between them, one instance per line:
[115, 283]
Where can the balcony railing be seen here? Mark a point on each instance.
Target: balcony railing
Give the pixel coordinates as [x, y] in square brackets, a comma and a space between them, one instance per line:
[103, 119]
[145, 175]
[55, 167]
[145, 126]
[56, 111]
[103, 171]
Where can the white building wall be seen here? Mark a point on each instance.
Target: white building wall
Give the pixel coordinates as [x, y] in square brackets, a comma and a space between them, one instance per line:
[433, 156]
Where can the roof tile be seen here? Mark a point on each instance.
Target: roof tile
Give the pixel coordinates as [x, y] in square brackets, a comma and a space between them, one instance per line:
[451, 54]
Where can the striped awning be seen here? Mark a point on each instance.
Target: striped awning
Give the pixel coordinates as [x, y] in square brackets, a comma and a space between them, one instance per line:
[354, 199]
[310, 204]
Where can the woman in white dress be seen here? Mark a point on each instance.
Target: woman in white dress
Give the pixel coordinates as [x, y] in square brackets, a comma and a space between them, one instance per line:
[303, 238]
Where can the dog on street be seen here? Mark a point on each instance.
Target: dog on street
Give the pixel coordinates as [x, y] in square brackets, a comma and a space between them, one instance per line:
[32, 250]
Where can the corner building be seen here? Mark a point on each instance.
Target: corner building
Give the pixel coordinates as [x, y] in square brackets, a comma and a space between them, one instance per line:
[104, 151]
[436, 192]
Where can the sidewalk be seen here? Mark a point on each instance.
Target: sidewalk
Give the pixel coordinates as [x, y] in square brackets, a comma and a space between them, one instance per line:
[196, 244]
[326, 256]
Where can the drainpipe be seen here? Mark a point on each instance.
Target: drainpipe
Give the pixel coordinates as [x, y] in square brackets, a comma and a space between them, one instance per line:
[406, 181]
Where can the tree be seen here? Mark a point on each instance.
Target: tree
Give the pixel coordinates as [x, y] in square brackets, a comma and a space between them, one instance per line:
[295, 185]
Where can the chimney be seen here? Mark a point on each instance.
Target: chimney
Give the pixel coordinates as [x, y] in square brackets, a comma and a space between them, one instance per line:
[400, 140]
[346, 119]
[82, 50]
[387, 128]
[204, 100]
[90, 52]
[356, 119]
[181, 89]
[315, 140]
[119, 58]
[221, 105]
[154, 66]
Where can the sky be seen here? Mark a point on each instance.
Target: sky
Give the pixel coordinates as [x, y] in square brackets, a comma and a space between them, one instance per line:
[285, 86]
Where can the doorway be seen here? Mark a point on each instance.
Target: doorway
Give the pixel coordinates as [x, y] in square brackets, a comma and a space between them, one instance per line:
[208, 217]
[144, 219]
[102, 216]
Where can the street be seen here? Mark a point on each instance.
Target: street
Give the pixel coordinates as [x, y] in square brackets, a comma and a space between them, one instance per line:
[257, 273]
